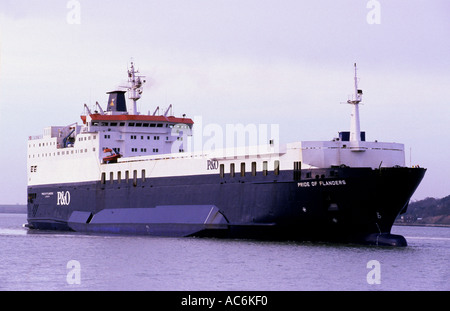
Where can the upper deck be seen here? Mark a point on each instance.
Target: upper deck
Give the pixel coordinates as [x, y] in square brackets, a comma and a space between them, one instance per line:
[127, 133]
[76, 152]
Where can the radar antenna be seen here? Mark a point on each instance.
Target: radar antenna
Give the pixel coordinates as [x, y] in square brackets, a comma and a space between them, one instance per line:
[135, 86]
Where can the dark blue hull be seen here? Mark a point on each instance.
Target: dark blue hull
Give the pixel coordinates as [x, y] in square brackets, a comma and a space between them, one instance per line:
[337, 204]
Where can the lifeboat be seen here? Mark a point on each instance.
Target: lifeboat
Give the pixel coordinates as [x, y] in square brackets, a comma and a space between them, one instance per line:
[112, 157]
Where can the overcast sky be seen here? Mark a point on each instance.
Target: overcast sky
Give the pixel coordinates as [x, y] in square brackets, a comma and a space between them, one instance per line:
[285, 62]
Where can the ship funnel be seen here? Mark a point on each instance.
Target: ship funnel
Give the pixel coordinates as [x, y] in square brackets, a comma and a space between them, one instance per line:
[116, 101]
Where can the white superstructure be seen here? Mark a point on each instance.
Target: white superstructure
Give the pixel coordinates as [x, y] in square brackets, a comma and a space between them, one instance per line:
[155, 146]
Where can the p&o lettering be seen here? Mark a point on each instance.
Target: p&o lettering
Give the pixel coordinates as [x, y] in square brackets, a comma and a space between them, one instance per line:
[212, 165]
[63, 198]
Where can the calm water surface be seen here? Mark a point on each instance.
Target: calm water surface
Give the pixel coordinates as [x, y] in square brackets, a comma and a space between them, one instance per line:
[38, 261]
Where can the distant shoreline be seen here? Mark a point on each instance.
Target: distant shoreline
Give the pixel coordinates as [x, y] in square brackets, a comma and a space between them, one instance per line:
[13, 209]
[421, 225]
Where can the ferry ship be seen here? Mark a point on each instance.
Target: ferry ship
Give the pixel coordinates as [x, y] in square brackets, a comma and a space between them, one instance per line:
[123, 172]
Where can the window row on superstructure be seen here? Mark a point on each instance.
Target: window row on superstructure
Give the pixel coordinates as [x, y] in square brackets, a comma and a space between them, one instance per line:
[45, 144]
[53, 148]
[88, 137]
[54, 143]
[66, 151]
[138, 124]
[157, 137]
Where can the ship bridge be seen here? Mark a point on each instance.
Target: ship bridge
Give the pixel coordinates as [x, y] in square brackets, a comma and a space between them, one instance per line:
[130, 134]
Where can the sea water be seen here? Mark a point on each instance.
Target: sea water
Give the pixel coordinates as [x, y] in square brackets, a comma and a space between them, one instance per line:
[35, 260]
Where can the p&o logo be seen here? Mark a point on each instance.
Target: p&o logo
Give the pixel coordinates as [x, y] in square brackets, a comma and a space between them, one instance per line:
[63, 198]
[212, 165]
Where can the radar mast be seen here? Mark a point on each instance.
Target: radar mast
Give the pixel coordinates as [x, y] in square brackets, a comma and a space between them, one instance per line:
[355, 130]
[135, 86]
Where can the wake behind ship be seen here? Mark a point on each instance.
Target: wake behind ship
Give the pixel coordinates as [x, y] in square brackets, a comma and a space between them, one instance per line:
[122, 172]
